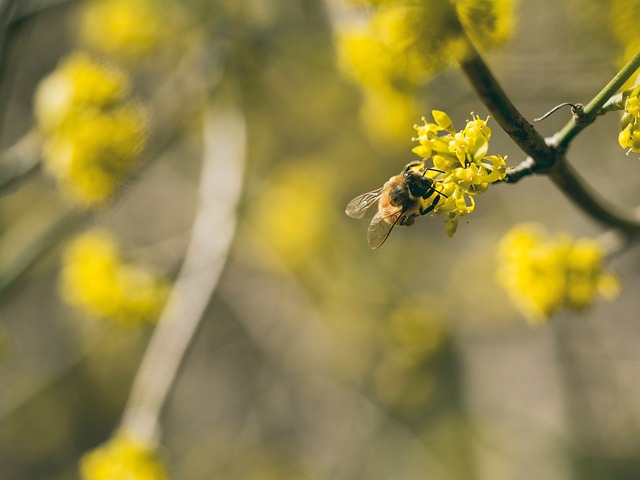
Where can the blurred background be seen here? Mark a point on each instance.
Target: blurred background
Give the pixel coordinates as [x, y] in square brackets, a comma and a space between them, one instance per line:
[318, 358]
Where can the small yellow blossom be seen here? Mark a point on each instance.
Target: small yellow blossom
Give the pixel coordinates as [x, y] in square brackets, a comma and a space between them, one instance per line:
[629, 137]
[465, 169]
[93, 132]
[80, 82]
[95, 280]
[543, 275]
[127, 29]
[122, 458]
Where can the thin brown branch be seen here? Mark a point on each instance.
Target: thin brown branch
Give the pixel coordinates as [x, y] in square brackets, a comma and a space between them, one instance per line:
[503, 110]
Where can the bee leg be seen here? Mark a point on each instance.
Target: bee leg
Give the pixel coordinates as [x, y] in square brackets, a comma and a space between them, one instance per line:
[407, 220]
[429, 208]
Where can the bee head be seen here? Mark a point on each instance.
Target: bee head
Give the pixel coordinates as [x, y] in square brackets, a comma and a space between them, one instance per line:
[417, 181]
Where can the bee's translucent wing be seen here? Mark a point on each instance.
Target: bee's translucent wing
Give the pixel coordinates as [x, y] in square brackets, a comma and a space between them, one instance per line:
[365, 205]
[380, 228]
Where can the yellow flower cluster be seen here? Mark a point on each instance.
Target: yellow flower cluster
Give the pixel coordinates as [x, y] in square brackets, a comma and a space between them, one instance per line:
[629, 137]
[122, 458]
[95, 280]
[404, 42]
[388, 78]
[543, 275]
[93, 132]
[625, 15]
[126, 29]
[463, 167]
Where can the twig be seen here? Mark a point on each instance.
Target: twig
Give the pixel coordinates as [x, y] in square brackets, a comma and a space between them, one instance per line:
[567, 179]
[577, 111]
[213, 230]
[548, 156]
[592, 109]
[503, 110]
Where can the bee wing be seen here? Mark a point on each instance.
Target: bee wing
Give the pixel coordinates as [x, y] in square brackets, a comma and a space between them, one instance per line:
[364, 205]
[379, 229]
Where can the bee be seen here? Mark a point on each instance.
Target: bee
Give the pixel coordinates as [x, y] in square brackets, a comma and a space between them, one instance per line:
[399, 201]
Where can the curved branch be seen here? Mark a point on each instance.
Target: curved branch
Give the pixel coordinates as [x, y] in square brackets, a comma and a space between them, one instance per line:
[565, 177]
[593, 108]
[503, 110]
[548, 156]
[213, 231]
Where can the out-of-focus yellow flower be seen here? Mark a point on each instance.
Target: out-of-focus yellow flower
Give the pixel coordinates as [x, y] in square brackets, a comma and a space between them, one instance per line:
[95, 280]
[488, 22]
[386, 114]
[388, 80]
[127, 29]
[543, 275]
[404, 43]
[625, 15]
[122, 458]
[292, 212]
[80, 82]
[93, 131]
[463, 167]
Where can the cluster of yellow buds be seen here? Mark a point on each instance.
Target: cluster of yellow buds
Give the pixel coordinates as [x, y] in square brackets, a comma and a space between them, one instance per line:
[629, 137]
[462, 168]
[122, 458]
[93, 131]
[95, 280]
[543, 275]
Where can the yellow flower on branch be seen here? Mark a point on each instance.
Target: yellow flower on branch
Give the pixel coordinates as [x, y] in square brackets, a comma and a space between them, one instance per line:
[629, 137]
[461, 166]
[128, 29]
[543, 274]
[122, 458]
[93, 131]
[95, 280]
[403, 43]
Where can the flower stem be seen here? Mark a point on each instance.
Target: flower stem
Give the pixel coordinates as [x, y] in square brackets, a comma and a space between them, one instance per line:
[592, 109]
